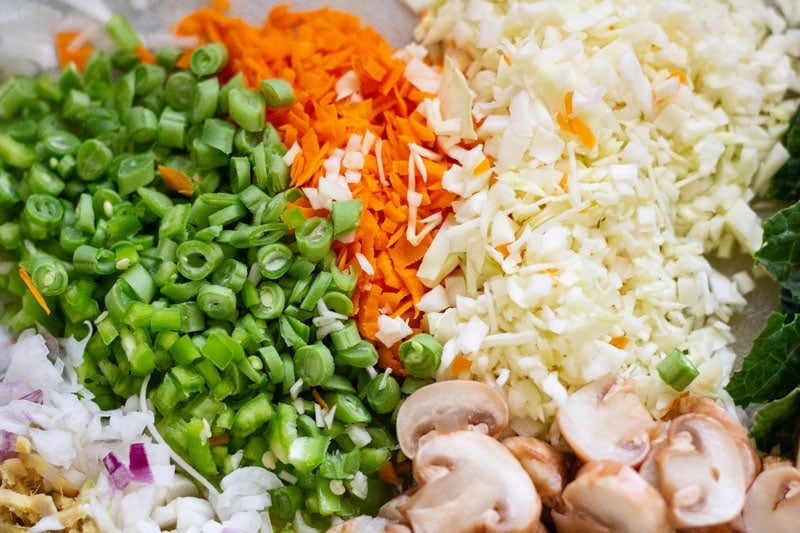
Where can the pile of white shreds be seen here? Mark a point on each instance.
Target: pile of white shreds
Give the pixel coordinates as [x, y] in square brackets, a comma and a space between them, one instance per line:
[565, 261]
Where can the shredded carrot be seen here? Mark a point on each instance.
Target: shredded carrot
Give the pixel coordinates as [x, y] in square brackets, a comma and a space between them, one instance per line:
[176, 180]
[221, 5]
[145, 55]
[388, 474]
[619, 342]
[313, 50]
[318, 398]
[218, 440]
[460, 364]
[483, 166]
[26, 279]
[68, 52]
[681, 75]
[503, 248]
[564, 182]
[572, 124]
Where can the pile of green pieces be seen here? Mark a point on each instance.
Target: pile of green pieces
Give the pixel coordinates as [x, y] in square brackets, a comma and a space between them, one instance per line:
[770, 374]
[225, 297]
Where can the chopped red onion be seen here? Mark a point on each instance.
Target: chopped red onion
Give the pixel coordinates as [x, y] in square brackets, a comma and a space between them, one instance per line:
[117, 471]
[35, 396]
[8, 445]
[139, 465]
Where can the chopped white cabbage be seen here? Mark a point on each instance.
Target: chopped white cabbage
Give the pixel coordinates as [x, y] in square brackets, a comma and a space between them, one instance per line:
[626, 141]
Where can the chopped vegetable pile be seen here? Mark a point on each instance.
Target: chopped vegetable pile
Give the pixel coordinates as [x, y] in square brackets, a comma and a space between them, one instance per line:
[238, 266]
[148, 208]
[625, 144]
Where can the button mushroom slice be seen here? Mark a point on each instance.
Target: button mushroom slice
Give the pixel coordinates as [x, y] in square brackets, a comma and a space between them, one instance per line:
[468, 481]
[544, 463]
[448, 406]
[391, 509]
[751, 460]
[772, 504]
[700, 472]
[609, 496]
[605, 420]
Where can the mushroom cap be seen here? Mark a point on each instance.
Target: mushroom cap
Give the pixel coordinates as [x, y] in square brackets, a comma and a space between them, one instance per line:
[751, 461]
[468, 481]
[611, 496]
[448, 406]
[545, 464]
[605, 420]
[773, 501]
[700, 472]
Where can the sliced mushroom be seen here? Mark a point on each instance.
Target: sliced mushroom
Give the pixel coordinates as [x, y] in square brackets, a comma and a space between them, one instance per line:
[391, 509]
[751, 461]
[772, 504]
[447, 406]
[700, 472]
[605, 420]
[608, 496]
[468, 482]
[545, 464]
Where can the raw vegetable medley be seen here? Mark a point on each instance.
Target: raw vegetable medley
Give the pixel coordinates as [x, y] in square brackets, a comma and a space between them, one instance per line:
[231, 253]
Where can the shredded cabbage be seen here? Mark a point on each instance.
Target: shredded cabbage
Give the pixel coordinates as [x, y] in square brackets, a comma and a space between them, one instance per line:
[625, 139]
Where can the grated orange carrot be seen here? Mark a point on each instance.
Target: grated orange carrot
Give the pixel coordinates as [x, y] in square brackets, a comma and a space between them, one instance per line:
[176, 180]
[619, 342]
[68, 53]
[313, 50]
[460, 364]
[319, 399]
[572, 124]
[681, 75]
[26, 279]
[388, 474]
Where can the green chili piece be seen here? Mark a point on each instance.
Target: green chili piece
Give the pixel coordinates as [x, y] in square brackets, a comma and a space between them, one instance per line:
[383, 393]
[349, 408]
[677, 370]
[61, 142]
[361, 355]
[198, 448]
[217, 301]
[313, 364]
[317, 289]
[135, 171]
[41, 216]
[196, 260]
[421, 355]
[277, 92]
[204, 100]
[256, 412]
[179, 90]
[282, 431]
[286, 500]
[50, 276]
[247, 108]
[208, 59]
[274, 260]
[231, 274]
[272, 363]
[141, 125]
[314, 238]
[15, 153]
[220, 349]
[307, 453]
[122, 33]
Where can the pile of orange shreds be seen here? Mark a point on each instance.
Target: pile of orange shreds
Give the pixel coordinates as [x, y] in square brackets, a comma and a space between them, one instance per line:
[313, 50]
